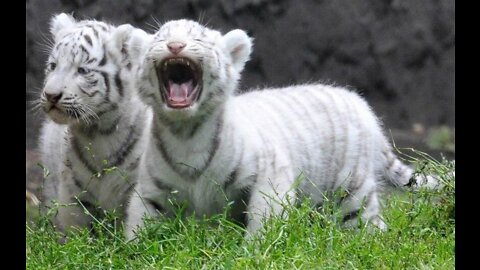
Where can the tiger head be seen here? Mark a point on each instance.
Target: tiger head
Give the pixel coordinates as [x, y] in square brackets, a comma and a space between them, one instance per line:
[84, 72]
[188, 69]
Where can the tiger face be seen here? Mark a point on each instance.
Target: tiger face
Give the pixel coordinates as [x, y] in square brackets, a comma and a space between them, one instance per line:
[82, 77]
[191, 68]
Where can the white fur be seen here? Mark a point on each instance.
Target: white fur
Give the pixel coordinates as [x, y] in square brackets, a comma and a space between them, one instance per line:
[61, 22]
[107, 126]
[256, 143]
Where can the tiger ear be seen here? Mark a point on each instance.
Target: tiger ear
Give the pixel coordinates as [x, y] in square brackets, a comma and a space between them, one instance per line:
[119, 37]
[137, 43]
[127, 40]
[239, 45]
[60, 22]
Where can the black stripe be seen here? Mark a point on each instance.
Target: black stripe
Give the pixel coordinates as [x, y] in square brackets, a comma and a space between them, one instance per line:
[77, 183]
[95, 32]
[68, 164]
[107, 85]
[85, 51]
[90, 207]
[173, 165]
[346, 127]
[91, 60]
[128, 191]
[125, 149]
[399, 171]
[301, 112]
[150, 80]
[88, 39]
[156, 205]
[112, 128]
[162, 95]
[104, 58]
[124, 52]
[86, 93]
[160, 146]
[153, 97]
[159, 183]
[124, 204]
[89, 131]
[356, 183]
[240, 206]
[200, 91]
[111, 107]
[321, 108]
[216, 142]
[332, 145]
[195, 127]
[132, 166]
[351, 215]
[231, 179]
[184, 129]
[79, 154]
[118, 83]
[284, 132]
[390, 161]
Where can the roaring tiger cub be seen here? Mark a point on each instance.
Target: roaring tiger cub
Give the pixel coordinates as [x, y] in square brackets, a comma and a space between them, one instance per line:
[95, 120]
[210, 147]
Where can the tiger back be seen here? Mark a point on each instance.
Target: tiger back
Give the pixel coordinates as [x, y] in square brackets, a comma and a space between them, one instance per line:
[211, 148]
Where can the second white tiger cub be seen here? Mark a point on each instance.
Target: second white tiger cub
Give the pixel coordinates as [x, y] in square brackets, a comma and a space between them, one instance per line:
[95, 119]
[209, 147]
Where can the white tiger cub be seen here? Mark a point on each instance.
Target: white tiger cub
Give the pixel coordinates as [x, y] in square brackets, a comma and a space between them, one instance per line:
[95, 119]
[210, 147]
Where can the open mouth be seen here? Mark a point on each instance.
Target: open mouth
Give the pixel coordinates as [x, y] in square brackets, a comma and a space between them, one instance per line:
[180, 78]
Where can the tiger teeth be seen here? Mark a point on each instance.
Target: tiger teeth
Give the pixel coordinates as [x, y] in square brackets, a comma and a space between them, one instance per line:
[182, 61]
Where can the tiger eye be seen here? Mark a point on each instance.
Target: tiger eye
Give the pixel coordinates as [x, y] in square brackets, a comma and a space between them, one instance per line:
[82, 70]
[52, 66]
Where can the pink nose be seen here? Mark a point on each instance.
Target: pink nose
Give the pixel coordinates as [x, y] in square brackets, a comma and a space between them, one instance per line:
[176, 47]
[53, 98]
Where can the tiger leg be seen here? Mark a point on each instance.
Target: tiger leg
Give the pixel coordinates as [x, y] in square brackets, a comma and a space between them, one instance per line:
[362, 203]
[138, 208]
[268, 198]
[73, 211]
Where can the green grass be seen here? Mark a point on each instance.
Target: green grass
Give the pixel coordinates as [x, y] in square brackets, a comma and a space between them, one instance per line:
[421, 235]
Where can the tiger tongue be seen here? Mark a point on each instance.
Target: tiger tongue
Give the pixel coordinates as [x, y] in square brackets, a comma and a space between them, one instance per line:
[179, 92]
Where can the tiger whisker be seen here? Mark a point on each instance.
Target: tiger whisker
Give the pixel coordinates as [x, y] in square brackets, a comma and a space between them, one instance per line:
[159, 24]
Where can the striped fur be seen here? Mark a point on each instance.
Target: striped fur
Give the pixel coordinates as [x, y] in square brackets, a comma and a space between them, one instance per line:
[96, 124]
[251, 147]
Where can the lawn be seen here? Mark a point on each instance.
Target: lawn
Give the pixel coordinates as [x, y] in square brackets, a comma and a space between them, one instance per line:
[420, 235]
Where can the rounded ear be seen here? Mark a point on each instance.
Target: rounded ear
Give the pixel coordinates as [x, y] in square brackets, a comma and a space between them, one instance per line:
[239, 46]
[119, 36]
[128, 43]
[60, 22]
[138, 42]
